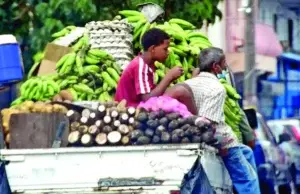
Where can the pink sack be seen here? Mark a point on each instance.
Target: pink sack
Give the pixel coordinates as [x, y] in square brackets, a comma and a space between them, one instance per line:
[167, 104]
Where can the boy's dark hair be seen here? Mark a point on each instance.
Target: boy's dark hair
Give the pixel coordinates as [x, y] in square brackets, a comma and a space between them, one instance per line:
[208, 57]
[154, 37]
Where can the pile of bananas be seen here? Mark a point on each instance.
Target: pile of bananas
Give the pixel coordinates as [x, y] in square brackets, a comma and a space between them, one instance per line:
[89, 74]
[185, 46]
[65, 37]
[37, 89]
[232, 108]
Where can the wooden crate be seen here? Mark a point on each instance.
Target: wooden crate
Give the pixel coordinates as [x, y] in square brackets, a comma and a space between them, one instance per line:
[36, 130]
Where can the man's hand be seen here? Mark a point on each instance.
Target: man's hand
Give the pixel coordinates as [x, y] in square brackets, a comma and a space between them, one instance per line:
[174, 73]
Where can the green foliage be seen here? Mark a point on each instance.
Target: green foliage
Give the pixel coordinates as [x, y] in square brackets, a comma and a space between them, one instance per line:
[33, 21]
[194, 11]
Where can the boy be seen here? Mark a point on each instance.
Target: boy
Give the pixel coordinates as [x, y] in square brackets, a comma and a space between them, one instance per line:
[137, 81]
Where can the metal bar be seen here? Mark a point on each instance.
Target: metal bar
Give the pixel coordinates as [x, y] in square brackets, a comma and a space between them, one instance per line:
[250, 84]
[98, 149]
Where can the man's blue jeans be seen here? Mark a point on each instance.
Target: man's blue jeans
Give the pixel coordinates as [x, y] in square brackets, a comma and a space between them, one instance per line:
[241, 166]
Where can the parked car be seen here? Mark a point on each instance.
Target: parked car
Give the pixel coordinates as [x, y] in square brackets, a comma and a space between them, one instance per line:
[292, 126]
[291, 145]
[272, 162]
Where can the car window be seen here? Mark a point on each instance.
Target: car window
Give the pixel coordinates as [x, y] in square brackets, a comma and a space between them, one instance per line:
[276, 130]
[289, 130]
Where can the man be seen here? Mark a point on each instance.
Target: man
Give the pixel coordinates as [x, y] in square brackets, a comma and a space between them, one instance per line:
[247, 133]
[208, 95]
[137, 81]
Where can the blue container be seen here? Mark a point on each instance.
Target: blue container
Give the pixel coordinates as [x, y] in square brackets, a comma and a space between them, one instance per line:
[7, 95]
[11, 65]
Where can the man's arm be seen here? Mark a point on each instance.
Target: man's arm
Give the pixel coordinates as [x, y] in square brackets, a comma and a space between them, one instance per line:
[183, 95]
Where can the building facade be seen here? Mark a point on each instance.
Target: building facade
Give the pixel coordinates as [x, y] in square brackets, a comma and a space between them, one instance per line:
[277, 30]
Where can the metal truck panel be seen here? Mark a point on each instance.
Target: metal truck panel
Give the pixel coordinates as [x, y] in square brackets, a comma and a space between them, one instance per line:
[133, 169]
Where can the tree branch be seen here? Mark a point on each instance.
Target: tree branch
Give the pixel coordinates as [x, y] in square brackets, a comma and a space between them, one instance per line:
[167, 8]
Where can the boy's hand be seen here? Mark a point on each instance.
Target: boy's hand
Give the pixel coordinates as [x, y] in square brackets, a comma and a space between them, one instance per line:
[174, 73]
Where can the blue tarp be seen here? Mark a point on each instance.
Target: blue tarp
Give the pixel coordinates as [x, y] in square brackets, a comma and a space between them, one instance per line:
[7, 95]
[290, 56]
[196, 181]
[4, 186]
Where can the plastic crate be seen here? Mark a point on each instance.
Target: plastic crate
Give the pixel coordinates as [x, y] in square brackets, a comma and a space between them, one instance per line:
[11, 65]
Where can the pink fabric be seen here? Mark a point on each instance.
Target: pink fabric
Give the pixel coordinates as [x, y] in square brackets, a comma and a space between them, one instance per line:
[167, 104]
[266, 40]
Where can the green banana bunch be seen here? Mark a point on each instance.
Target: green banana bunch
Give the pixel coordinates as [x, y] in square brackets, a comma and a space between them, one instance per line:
[82, 92]
[67, 81]
[105, 97]
[81, 43]
[232, 109]
[39, 88]
[63, 32]
[88, 73]
[38, 57]
[65, 65]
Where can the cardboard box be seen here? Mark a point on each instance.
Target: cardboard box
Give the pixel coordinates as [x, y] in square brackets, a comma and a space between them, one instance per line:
[53, 53]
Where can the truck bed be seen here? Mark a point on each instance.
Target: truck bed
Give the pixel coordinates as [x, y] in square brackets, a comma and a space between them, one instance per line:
[130, 169]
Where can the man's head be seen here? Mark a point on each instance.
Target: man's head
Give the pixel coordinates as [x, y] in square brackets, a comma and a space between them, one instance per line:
[212, 60]
[156, 42]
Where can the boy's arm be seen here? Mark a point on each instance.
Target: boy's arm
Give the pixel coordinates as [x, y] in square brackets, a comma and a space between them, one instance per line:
[159, 89]
[145, 87]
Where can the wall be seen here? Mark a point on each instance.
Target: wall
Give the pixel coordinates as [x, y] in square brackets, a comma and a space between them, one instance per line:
[296, 34]
[217, 32]
[267, 10]
[235, 24]
[232, 23]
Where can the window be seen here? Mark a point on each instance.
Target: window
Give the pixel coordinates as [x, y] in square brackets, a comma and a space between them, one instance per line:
[275, 22]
